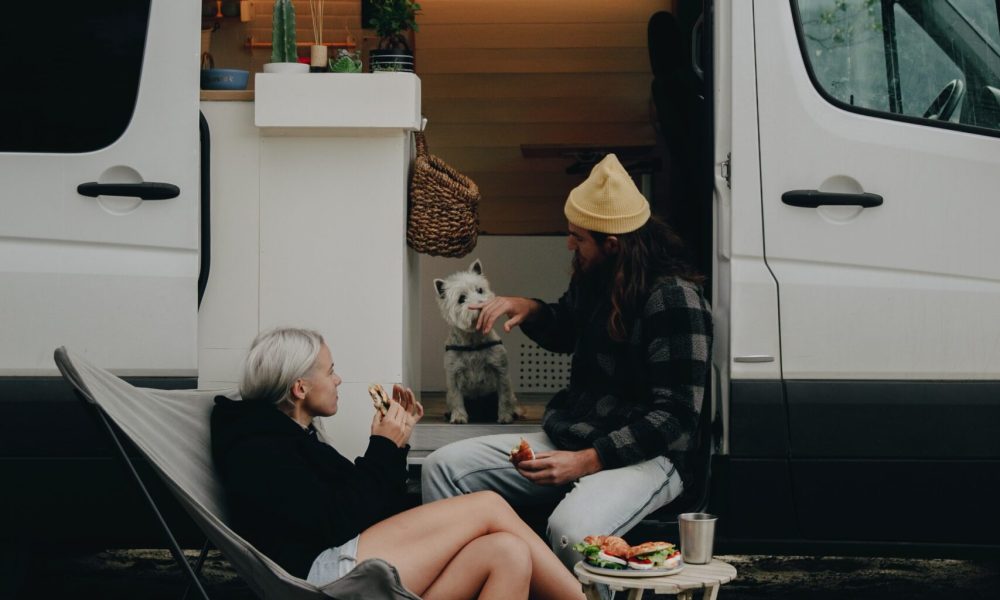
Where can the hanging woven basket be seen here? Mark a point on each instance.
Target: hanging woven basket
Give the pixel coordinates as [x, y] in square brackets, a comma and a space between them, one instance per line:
[444, 207]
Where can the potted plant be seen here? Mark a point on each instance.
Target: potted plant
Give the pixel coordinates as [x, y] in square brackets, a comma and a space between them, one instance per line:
[391, 19]
[347, 61]
[284, 53]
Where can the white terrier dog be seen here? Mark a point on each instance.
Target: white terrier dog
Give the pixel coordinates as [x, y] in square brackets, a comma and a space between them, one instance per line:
[475, 364]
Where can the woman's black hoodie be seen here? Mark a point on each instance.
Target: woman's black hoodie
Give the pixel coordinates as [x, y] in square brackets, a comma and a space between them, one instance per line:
[293, 496]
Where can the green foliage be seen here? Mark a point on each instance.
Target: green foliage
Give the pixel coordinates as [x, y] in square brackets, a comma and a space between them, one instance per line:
[391, 19]
[844, 23]
[346, 62]
[283, 32]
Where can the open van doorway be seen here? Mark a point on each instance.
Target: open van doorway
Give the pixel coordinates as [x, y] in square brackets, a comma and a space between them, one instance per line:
[642, 95]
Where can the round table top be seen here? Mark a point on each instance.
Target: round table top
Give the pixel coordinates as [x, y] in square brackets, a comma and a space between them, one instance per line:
[692, 577]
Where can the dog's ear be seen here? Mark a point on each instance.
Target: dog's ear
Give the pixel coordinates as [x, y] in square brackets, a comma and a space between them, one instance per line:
[477, 267]
[439, 286]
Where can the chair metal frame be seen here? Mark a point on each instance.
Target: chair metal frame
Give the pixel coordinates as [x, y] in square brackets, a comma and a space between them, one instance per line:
[84, 395]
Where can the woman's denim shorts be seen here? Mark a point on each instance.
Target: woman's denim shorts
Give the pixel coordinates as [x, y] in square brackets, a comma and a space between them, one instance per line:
[334, 563]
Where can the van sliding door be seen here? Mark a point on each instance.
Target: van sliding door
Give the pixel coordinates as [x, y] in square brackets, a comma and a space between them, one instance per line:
[880, 165]
[99, 164]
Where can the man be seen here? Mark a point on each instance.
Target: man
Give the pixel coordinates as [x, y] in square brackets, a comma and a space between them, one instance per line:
[617, 443]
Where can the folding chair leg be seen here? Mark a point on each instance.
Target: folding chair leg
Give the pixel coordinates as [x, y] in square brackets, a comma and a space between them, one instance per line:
[175, 549]
[198, 565]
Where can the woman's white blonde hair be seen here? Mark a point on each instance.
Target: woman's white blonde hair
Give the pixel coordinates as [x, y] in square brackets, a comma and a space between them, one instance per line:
[278, 358]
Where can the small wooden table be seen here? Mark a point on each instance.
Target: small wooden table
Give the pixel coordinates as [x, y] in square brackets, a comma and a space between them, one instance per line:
[694, 577]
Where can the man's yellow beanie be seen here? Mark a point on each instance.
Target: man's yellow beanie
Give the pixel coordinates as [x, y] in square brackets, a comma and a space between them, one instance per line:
[608, 200]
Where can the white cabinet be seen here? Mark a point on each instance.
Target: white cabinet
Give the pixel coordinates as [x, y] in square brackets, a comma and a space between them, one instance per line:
[309, 230]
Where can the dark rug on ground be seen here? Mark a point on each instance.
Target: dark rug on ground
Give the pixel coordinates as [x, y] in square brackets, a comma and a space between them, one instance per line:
[152, 575]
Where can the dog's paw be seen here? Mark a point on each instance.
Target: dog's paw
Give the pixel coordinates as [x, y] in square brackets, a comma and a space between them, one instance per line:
[458, 416]
[505, 417]
[520, 412]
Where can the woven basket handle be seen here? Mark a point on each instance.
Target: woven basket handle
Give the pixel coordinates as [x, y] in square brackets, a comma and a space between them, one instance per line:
[421, 142]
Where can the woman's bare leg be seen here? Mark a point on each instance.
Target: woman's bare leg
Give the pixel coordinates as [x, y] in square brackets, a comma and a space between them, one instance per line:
[505, 576]
[422, 541]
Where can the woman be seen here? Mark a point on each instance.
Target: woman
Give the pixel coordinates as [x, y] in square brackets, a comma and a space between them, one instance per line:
[317, 514]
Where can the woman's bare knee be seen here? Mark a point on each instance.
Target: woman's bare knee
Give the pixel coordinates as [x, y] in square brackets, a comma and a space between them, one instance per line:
[493, 504]
[489, 497]
[510, 554]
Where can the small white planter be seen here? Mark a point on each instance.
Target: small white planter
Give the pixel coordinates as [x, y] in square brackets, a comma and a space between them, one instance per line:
[286, 67]
[318, 57]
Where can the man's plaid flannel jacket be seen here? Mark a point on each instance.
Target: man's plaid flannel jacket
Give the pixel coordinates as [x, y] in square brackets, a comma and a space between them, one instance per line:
[636, 399]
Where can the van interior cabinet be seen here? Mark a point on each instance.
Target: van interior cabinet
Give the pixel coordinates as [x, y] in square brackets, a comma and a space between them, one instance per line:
[309, 189]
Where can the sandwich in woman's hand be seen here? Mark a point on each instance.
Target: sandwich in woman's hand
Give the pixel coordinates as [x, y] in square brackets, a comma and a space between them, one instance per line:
[654, 554]
[521, 452]
[379, 398]
[606, 551]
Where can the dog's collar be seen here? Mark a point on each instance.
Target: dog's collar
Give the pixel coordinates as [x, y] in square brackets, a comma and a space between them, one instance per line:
[482, 346]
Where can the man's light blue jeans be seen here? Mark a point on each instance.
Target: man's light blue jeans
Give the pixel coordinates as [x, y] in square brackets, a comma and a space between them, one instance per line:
[606, 503]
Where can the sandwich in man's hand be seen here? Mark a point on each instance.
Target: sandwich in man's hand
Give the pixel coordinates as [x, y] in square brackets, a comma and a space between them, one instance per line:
[379, 398]
[521, 452]
[654, 555]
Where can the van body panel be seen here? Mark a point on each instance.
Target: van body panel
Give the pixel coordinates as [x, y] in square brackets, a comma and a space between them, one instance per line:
[895, 419]
[758, 419]
[754, 498]
[71, 491]
[79, 271]
[750, 292]
[898, 501]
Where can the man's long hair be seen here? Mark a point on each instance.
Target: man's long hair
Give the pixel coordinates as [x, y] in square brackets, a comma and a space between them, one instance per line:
[645, 255]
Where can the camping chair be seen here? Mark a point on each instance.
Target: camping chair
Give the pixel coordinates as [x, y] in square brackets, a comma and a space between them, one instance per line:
[171, 430]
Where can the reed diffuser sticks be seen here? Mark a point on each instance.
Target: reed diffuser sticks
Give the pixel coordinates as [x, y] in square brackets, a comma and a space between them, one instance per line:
[316, 11]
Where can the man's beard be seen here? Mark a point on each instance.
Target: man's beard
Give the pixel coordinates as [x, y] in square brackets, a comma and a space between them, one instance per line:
[597, 274]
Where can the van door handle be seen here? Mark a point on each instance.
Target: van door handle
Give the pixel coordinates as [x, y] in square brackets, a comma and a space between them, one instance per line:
[815, 198]
[147, 191]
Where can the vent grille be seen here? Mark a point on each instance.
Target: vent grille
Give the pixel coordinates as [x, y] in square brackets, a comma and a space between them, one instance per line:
[541, 370]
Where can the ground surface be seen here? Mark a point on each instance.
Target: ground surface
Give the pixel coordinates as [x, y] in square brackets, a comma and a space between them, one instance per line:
[150, 574]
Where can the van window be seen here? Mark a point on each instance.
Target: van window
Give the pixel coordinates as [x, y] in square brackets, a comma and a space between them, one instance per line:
[930, 61]
[983, 17]
[71, 73]
[924, 68]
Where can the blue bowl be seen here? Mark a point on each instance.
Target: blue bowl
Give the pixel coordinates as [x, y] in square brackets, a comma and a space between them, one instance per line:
[224, 79]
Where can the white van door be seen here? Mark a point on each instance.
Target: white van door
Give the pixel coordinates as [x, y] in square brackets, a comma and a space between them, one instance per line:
[99, 197]
[880, 166]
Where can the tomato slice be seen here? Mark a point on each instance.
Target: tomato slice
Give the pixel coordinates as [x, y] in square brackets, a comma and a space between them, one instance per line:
[641, 561]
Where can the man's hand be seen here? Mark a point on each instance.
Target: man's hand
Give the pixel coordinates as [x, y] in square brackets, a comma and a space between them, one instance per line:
[516, 309]
[560, 467]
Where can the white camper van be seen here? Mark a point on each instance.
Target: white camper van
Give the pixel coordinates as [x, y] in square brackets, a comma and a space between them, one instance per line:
[842, 165]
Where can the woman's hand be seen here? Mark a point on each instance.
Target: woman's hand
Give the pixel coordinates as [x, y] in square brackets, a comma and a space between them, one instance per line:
[404, 412]
[408, 401]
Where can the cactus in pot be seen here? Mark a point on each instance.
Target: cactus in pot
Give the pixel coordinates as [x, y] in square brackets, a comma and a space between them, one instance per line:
[283, 33]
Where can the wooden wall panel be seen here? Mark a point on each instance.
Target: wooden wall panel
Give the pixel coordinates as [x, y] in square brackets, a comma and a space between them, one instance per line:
[341, 18]
[493, 86]
[530, 35]
[498, 12]
[498, 74]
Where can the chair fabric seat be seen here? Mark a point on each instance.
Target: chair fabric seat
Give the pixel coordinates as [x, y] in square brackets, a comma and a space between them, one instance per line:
[171, 429]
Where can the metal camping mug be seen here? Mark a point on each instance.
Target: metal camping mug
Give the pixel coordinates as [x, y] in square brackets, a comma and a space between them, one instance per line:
[697, 537]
